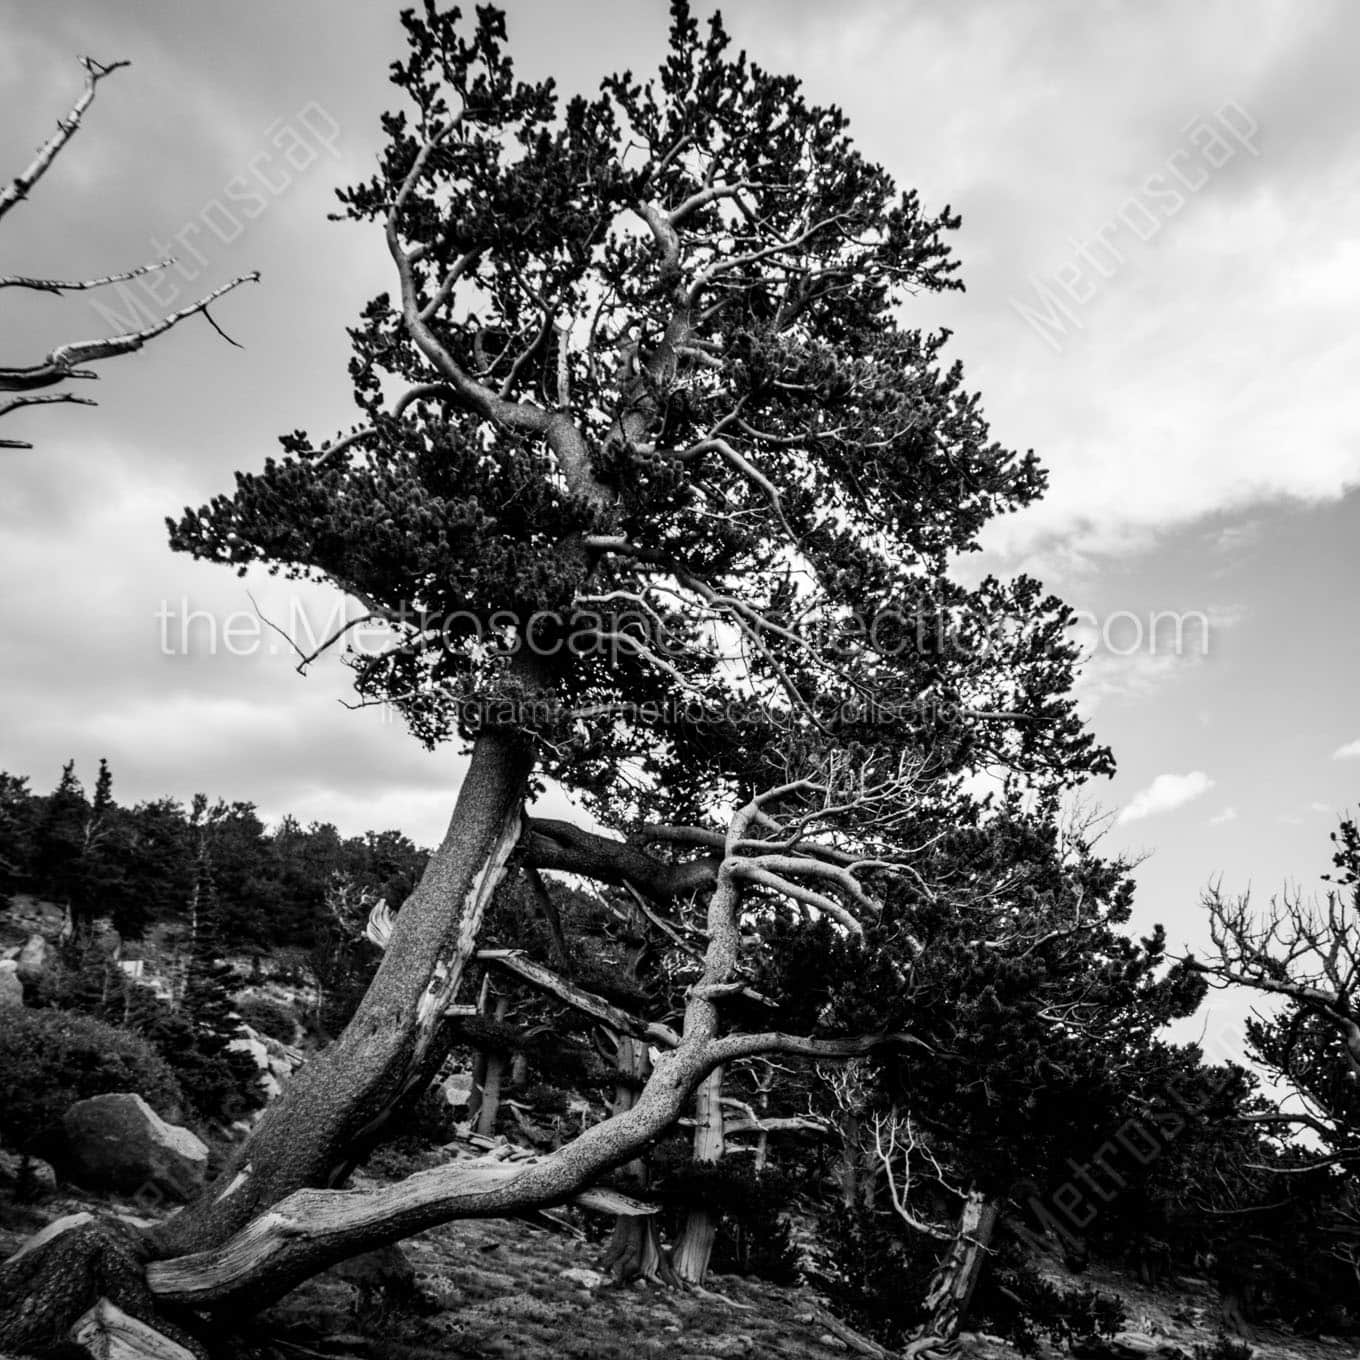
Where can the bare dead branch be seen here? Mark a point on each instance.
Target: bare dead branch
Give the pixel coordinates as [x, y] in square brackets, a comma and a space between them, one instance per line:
[80, 285]
[20, 187]
[62, 363]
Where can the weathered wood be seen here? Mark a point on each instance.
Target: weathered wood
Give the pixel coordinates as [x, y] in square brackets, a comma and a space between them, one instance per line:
[634, 1248]
[855, 1340]
[694, 1247]
[313, 1229]
[618, 1019]
[956, 1277]
[341, 1098]
[48, 1285]
[108, 1333]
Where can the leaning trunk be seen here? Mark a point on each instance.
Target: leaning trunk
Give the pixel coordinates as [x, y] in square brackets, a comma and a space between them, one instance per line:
[956, 1277]
[695, 1245]
[343, 1097]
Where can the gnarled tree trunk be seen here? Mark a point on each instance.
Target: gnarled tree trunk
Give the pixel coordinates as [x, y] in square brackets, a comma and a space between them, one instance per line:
[956, 1277]
[345, 1093]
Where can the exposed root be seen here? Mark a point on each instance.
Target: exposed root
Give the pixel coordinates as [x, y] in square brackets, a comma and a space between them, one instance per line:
[712, 1296]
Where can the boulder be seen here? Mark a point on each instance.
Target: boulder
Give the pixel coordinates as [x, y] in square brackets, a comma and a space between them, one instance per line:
[37, 1178]
[118, 1142]
[275, 1061]
[383, 1279]
[11, 989]
[457, 1089]
[252, 1043]
[587, 1279]
[32, 959]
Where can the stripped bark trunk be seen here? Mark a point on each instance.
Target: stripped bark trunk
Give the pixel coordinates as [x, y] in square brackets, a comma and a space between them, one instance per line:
[694, 1247]
[474, 1104]
[956, 1277]
[493, 1075]
[345, 1094]
[634, 1251]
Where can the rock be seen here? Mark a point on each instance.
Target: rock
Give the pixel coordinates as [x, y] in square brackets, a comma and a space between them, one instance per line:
[32, 958]
[726, 1347]
[118, 1142]
[386, 1268]
[457, 1088]
[384, 1279]
[832, 1343]
[11, 989]
[524, 1306]
[1128, 1346]
[39, 1175]
[253, 1045]
[587, 1279]
[275, 1061]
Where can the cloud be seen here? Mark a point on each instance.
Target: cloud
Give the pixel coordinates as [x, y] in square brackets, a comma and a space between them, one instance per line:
[1229, 814]
[1166, 792]
[1350, 751]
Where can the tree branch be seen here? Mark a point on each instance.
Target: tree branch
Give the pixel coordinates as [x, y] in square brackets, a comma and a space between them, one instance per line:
[79, 285]
[67, 127]
[733, 1046]
[61, 363]
[588, 1003]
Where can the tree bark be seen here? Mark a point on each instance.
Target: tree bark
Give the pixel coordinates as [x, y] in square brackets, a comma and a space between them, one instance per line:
[52, 1281]
[694, 1247]
[956, 1277]
[347, 1091]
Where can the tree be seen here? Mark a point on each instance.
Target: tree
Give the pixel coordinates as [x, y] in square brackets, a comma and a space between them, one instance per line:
[59, 842]
[1040, 1019]
[221, 1082]
[1306, 954]
[158, 864]
[665, 511]
[63, 364]
[17, 817]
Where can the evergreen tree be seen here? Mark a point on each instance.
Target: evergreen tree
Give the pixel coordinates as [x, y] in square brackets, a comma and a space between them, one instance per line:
[220, 1081]
[103, 889]
[59, 842]
[18, 815]
[666, 510]
[159, 864]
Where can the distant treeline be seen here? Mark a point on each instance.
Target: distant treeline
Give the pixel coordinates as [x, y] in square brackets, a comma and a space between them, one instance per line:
[96, 857]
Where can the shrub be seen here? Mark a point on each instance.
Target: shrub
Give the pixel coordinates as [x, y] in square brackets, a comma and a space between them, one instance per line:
[218, 1083]
[51, 1059]
[1015, 1302]
[269, 1017]
[1224, 1347]
[753, 1236]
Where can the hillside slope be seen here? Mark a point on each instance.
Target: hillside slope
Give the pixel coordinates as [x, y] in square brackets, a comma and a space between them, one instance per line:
[507, 1289]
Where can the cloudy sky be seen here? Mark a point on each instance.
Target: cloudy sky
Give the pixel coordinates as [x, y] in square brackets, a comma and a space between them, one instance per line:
[1159, 240]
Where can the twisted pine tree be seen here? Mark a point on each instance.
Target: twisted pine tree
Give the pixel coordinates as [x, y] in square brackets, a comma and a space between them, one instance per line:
[657, 493]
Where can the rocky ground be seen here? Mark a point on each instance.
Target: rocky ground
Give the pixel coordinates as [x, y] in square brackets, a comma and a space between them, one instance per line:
[513, 1290]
